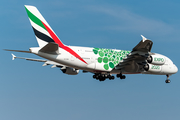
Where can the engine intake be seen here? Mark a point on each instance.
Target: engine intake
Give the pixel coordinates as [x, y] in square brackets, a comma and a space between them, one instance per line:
[70, 71]
[152, 68]
[156, 59]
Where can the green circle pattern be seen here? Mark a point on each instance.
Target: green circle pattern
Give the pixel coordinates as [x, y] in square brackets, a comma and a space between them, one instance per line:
[109, 57]
[106, 66]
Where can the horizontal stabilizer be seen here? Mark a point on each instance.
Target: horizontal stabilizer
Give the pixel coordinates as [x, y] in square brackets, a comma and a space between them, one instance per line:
[17, 51]
[30, 59]
[55, 64]
[13, 56]
[46, 62]
[51, 48]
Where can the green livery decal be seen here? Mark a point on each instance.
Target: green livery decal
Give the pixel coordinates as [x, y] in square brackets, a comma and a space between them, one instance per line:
[155, 67]
[35, 19]
[110, 58]
[158, 59]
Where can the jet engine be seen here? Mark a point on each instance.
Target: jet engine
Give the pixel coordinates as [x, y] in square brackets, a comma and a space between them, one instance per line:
[70, 71]
[152, 68]
[156, 59]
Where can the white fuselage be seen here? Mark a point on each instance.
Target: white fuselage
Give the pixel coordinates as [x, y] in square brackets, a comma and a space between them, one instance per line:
[102, 60]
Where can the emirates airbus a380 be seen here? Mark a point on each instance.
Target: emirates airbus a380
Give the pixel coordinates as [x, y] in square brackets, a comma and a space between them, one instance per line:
[103, 63]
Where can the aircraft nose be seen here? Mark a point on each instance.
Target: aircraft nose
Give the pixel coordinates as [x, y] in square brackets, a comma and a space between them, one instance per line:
[175, 69]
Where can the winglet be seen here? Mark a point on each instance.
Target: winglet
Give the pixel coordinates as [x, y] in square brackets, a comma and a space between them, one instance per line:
[13, 56]
[143, 38]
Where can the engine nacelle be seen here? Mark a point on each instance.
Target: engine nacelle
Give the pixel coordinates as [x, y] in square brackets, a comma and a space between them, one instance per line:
[156, 59]
[152, 68]
[70, 71]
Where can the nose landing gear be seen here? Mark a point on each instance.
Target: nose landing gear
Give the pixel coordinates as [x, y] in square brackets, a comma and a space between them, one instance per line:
[167, 80]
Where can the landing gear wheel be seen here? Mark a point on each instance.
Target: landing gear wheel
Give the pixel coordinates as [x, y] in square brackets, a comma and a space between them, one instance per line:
[123, 77]
[111, 78]
[102, 79]
[118, 75]
[94, 76]
[167, 81]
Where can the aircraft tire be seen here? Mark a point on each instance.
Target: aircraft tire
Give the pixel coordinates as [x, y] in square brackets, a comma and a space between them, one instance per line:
[123, 77]
[167, 81]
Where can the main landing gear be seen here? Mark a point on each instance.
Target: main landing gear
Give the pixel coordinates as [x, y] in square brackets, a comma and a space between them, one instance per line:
[167, 80]
[121, 76]
[103, 77]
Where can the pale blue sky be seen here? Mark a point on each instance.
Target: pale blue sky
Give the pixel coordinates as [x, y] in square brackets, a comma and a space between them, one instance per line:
[29, 91]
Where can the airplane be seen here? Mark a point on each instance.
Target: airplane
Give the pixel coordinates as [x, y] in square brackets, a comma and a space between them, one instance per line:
[103, 63]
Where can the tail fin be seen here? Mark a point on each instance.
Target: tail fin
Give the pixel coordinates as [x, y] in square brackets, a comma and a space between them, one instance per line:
[43, 32]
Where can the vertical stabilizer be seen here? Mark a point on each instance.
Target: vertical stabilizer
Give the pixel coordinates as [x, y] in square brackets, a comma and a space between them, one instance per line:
[43, 32]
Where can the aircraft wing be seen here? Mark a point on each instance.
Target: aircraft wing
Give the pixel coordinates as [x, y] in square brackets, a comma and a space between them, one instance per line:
[46, 62]
[135, 61]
